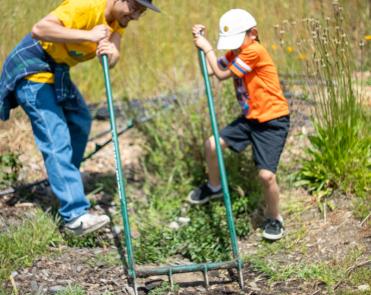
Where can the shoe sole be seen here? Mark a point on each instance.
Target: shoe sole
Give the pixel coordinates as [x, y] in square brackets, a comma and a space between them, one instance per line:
[87, 231]
[193, 202]
[272, 237]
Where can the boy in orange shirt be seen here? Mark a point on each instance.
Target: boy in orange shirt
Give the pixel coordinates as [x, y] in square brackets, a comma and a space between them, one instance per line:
[264, 121]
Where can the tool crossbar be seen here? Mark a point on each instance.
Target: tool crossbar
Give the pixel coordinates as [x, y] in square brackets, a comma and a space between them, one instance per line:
[165, 270]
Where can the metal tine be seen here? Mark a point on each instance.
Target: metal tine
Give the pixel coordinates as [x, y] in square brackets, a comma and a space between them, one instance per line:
[171, 279]
[240, 277]
[206, 277]
[135, 287]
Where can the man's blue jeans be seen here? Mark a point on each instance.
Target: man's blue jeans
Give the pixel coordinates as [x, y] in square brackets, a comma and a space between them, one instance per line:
[61, 133]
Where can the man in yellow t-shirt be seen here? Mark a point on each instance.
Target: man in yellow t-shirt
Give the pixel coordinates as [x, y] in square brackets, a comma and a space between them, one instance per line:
[36, 76]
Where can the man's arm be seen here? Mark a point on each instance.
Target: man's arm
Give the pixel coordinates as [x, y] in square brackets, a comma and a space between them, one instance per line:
[51, 29]
[110, 47]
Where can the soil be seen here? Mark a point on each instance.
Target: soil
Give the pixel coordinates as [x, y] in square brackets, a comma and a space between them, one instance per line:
[327, 238]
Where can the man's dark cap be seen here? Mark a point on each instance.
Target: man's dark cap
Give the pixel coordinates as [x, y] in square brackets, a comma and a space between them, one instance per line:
[148, 4]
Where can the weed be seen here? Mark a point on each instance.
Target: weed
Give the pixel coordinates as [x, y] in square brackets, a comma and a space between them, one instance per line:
[107, 259]
[87, 241]
[9, 169]
[164, 288]
[72, 290]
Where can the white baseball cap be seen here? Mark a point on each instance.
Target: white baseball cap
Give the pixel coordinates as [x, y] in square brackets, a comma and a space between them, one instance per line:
[232, 28]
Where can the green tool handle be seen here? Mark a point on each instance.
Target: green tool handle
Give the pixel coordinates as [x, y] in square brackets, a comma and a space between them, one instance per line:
[223, 175]
[119, 173]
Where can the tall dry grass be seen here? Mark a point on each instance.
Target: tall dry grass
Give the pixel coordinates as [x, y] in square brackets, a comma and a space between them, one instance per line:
[339, 157]
[157, 51]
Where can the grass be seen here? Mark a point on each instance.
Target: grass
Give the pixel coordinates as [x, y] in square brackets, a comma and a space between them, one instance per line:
[87, 241]
[72, 290]
[330, 272]
[76, 290]
[20, 245]
[164, 288]
[109, 259]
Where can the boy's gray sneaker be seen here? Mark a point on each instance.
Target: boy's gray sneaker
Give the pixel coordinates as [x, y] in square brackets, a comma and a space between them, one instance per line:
[86, 223]
[203, 194]
[273, 229]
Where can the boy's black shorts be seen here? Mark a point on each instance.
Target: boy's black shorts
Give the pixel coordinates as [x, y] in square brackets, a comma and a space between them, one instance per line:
[267, 139]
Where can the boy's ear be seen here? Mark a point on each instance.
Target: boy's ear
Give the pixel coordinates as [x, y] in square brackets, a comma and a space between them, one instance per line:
[253, 33]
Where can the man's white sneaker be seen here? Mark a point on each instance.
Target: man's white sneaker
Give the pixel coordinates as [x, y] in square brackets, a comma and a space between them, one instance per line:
[86, 223]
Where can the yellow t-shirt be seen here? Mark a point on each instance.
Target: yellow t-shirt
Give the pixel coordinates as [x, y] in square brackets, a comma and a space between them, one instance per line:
[81, 15]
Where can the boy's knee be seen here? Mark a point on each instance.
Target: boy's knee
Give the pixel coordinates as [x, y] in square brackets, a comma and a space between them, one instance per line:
[210, 145]
[267, 177]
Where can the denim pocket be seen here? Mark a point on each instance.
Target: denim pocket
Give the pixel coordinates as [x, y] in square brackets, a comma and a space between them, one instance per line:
[26, 92]
[71, 104]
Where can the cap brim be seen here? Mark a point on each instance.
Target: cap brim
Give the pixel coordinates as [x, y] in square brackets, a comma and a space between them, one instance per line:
[148, 5]
[231, 42]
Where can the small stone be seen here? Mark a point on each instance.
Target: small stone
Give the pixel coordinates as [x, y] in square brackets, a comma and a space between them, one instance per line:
[364, 287]
[128, 290]
[34, 286]
[24, 205]
[174, 225]
[14, 274]
[55, 289]
[184, 220]
[117, 230]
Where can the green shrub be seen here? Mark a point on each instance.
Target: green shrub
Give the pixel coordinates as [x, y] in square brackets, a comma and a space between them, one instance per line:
[175, 164]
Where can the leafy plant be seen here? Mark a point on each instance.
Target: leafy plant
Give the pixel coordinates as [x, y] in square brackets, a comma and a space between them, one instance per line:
[9, 169]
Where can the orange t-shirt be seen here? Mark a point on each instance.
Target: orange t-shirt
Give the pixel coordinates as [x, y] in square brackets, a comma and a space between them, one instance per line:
[256, 81]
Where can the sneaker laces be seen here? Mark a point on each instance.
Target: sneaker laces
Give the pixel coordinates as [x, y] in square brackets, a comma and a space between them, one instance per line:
[274, 223]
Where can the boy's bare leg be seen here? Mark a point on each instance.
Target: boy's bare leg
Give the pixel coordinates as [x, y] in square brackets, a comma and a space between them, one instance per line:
[212, 160]
[271, 193]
